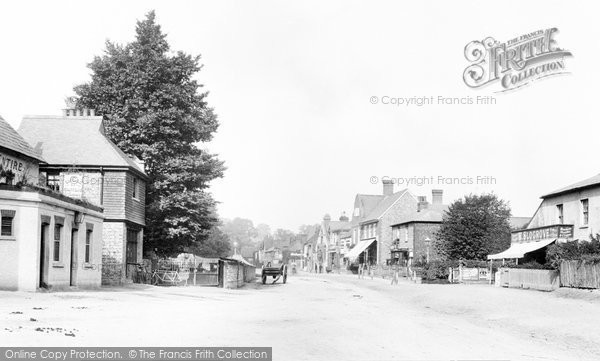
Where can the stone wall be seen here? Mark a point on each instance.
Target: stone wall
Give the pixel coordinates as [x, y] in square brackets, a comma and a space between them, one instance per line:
[235, 274]
[113, 253]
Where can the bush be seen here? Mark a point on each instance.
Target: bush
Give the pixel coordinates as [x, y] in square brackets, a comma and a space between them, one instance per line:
[528, 265]
[436, 270]
[574, 251]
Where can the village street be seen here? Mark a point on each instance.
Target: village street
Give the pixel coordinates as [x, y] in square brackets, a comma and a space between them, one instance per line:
[318, 317]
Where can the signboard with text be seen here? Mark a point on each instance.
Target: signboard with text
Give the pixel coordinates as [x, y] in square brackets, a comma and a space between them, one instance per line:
[536, 234]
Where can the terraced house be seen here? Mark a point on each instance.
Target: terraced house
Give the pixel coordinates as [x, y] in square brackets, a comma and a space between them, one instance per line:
[82, 163]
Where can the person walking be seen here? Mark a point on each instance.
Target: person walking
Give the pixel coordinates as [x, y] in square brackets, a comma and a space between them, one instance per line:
[395, 274]
[360, 270]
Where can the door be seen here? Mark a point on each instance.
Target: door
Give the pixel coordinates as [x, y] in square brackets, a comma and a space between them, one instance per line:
[74, 245]
[131, 251]
[44, 256]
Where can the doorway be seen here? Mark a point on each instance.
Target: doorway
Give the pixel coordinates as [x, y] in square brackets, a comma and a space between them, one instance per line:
[44, 256]
[74, 248]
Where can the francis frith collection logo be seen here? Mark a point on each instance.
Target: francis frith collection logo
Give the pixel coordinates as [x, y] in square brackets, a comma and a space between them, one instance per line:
[516, 62]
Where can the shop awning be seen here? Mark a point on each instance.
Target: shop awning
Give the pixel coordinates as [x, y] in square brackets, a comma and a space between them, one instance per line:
[518, 250]
[358, 249]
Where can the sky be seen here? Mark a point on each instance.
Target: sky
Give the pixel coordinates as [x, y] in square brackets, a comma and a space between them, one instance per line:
[293, 83]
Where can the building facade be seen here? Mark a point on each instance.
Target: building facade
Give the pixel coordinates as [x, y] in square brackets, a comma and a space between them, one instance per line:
[567, 214]
[415, 235]
[47, 240]
[82, 163]
[372, 222]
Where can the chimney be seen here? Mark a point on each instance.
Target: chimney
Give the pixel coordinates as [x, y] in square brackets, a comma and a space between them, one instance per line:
[422, 203]
[71, 109]
[437, 196]
[388, 187]
[344, 218]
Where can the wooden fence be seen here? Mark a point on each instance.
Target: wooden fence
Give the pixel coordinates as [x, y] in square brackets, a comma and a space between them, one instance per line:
[537, 279]
[579, 274]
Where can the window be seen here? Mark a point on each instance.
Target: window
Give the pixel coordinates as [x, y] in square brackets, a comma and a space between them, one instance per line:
[135, 188]
[584, 212]
[57, 237]
[88, 245]
[7, 229]
[53, 182]
[559, 208]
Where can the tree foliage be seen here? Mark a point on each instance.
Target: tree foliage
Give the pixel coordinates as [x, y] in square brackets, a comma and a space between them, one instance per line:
[154, 109]
[217, 244]
[474, 227]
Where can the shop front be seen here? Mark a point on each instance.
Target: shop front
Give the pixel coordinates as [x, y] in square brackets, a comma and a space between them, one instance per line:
[530, 244]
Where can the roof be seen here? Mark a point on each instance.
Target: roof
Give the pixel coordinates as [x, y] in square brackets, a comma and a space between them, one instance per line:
[239, 258]
[433, 214]
[519, 222]
[384, 205]
[367, 202]
[335, 226]
[586, 183]
[74, 141]
[12, 140]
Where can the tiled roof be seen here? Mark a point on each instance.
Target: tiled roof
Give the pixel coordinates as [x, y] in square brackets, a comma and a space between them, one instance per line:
[74, 141]
[434, 213]
[367, 202]
[335, 226]
[10, 139]
[593, 181]
[384, 205]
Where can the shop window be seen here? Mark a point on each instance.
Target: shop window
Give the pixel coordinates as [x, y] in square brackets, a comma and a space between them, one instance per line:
[57, 240]
[559, 209]
[7, 221]
[585, 211]
[88, 245]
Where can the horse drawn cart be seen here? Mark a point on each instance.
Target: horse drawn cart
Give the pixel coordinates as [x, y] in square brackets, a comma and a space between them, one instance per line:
[274, 270]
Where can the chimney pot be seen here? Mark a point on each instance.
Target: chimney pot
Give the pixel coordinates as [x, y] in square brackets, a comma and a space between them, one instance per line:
[422, 203]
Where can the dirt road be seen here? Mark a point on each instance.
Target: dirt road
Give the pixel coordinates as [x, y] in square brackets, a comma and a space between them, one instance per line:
[325, 317]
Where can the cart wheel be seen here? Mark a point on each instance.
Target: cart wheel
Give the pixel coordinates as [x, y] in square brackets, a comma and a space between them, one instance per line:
[264, 279]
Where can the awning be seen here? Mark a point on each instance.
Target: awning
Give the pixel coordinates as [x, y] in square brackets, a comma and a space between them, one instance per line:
[518, 250]
[359, 248]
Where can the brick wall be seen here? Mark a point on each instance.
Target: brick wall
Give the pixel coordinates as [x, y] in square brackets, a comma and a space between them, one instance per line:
[421, 232]
[406, 205]
[86, 186]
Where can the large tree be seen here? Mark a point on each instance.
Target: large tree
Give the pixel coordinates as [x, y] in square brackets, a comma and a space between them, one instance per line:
[154, 109]
[474, 227]
[217, 244]
[240, 231]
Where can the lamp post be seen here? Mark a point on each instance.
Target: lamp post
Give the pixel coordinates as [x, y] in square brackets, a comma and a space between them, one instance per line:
[427, 244]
